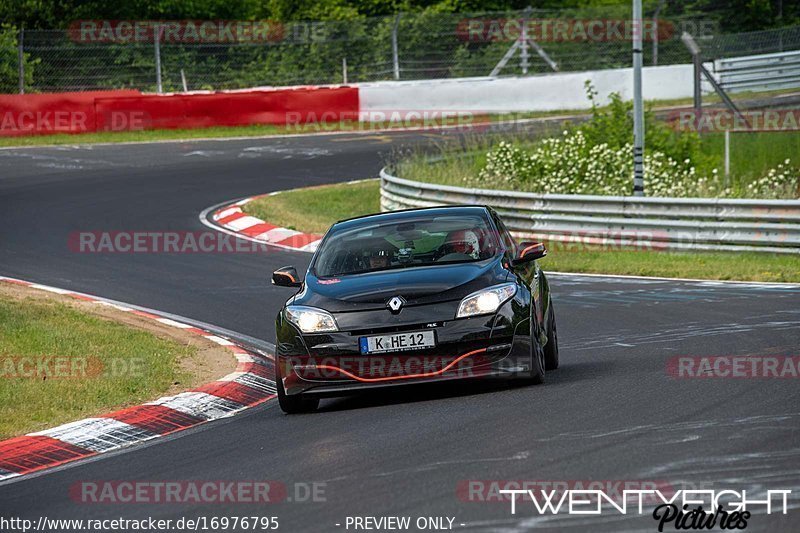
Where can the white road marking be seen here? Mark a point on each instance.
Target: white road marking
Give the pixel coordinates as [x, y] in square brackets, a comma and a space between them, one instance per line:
[200, 405]
[98, 434]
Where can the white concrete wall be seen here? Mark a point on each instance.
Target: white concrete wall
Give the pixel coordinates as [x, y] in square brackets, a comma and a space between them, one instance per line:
[546, 92]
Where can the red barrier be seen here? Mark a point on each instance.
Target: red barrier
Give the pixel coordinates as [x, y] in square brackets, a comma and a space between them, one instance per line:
[284, 106]
[41, 114]
[130, 110]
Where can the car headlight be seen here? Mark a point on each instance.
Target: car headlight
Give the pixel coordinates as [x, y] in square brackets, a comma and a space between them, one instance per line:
[310, 319]
[486, 301]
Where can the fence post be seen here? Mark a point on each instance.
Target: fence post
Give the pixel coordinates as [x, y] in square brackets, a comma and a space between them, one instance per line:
[655, 42]
[523, 57]
[698, 94]
[183, 81]
[344, 70]
[697, 61]
[395, 53]
[21, 60]
[638, 109]
[727, 155]
[157, 42]
[655, 31]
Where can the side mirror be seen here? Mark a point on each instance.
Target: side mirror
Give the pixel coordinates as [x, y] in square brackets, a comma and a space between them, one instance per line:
[529, 251]
[286, 277]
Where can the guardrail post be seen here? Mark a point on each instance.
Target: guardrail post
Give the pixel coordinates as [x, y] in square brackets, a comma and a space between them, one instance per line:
[21, 60]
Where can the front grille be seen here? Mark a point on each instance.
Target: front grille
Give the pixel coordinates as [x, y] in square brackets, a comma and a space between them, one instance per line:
[393, 329]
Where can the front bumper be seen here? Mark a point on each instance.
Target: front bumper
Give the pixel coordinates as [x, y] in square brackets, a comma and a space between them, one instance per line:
[331, 364]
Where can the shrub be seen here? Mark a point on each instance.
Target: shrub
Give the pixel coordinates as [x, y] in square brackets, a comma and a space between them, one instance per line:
[782, 181]
[569, 164]
[596, 158]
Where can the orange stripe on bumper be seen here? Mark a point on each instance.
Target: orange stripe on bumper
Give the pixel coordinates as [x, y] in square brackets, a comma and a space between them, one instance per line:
[406, 376]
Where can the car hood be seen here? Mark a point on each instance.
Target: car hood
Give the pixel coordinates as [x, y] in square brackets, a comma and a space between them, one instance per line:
[417, 285]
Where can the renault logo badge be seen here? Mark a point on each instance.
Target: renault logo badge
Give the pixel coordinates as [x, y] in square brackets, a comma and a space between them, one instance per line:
[395, 304]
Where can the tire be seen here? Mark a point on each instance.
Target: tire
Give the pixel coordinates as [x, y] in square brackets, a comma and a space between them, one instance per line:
[296, 403]
[551, 348]
[536, 375]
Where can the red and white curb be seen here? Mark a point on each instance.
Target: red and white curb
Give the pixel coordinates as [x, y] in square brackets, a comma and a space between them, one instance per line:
[234, 219]
[251, 384]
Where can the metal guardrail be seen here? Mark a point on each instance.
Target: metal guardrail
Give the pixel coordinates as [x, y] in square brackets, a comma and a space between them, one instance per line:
[759, 73]
[619, 221]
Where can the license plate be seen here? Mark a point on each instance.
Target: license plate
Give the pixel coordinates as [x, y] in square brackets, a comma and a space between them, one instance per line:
[415, 340]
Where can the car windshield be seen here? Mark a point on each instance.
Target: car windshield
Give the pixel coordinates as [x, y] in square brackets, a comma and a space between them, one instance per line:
[404, 244]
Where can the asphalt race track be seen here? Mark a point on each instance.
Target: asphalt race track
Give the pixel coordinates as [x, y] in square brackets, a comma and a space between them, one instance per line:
[611, 412]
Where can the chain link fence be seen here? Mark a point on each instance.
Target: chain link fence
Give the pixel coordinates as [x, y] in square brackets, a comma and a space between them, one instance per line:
[171, 56]
[750, 43]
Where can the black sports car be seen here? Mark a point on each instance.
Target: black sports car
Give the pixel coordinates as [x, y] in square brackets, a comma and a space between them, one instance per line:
[409, 296]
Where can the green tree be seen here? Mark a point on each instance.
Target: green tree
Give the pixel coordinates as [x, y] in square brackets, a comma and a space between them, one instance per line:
[9, 61]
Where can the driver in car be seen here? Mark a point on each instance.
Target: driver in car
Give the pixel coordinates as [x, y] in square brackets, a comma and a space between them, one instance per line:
[379, 259]
[464, 242]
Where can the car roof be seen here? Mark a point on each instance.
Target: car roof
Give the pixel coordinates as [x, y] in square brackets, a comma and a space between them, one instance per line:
[450, 210]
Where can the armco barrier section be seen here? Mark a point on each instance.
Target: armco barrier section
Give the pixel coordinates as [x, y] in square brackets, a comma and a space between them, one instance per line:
[293, 106]
[620, 221]
[546, 92]
[765, 72]
[42, 114]
[130, 110]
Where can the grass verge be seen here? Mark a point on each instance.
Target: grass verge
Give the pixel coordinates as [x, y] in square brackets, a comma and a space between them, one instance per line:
[752, 155]
[743, 266]
[62, 360]
[142, 136]
[255, 130]
[315, 209]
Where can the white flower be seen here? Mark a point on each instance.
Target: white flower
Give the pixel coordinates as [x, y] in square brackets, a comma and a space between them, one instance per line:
[566, 164]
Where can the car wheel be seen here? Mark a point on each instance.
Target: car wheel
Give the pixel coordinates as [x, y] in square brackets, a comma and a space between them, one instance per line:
[536, 375]
[551, 348]
[295, 403]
